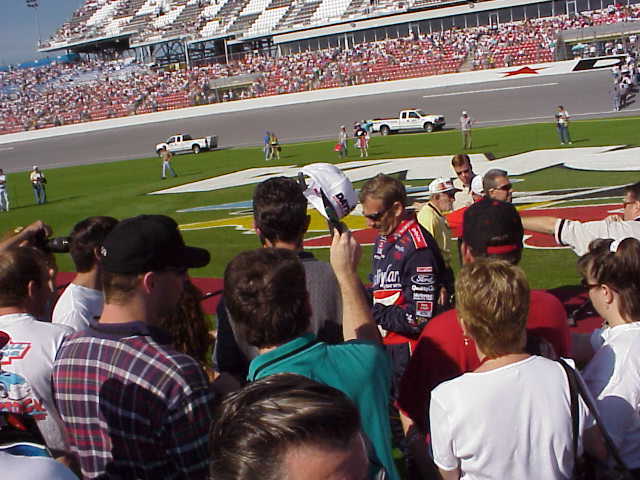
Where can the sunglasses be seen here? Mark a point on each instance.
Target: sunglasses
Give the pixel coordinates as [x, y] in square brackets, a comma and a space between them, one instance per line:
[460, 172]
[374, 217]
[505, 188]
[585, 284]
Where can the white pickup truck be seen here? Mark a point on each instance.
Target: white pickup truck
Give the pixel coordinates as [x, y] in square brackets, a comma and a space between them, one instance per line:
[415, 119]
[185, 144]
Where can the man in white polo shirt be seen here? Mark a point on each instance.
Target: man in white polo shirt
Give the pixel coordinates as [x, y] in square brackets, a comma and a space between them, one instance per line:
[578, 235]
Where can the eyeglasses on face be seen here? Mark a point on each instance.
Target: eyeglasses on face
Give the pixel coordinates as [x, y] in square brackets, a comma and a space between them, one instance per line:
[584, 283]
[505, 188]
[625, 203]
[375, 217]
[460, 172]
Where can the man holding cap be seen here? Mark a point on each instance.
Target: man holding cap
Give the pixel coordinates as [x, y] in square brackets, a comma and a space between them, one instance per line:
[133, 406]
[492, 229]
[407, 269]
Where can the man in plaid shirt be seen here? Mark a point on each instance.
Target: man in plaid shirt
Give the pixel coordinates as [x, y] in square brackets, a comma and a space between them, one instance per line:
[134, 407]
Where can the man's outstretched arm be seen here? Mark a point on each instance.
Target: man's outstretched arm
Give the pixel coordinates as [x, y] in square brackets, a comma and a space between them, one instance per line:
[540, 224]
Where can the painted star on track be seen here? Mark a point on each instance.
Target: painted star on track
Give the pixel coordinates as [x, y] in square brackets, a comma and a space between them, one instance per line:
[522, 71]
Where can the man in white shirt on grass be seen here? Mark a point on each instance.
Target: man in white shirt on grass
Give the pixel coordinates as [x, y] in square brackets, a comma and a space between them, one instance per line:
[4, 199]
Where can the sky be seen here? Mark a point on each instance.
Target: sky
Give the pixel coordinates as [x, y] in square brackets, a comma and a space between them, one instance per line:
[18, 27]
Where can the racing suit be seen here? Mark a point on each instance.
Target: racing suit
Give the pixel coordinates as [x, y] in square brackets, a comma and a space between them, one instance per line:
[407, 274]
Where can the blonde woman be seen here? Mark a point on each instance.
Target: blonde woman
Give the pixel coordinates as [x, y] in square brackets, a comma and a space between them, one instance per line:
[511, 417]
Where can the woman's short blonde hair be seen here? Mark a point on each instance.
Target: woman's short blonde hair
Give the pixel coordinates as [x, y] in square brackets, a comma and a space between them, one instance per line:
[493, 304]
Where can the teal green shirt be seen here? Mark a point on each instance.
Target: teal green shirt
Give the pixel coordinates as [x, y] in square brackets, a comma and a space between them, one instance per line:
[361, 370]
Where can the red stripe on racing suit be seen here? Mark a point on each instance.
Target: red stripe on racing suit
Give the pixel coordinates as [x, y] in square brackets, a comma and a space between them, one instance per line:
[407, 271]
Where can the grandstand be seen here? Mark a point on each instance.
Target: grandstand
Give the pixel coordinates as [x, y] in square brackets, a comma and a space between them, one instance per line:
[222, 50]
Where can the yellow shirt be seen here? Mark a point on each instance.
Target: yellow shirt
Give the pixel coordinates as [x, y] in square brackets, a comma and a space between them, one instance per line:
[431, 219]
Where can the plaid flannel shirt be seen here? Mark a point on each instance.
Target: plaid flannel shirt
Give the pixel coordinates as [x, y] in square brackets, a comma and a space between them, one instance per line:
[133, 407]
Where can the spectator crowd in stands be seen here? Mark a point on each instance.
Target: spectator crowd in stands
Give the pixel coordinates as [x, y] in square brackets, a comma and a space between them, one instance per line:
[114, 381]
[63, 94]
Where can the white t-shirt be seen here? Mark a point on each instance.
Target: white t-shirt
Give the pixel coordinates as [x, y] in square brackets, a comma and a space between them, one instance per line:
[27, 364]
[15, 467]
[613, 376]
[578, 235]
[3, 180]
[77, 306]
[513, 422]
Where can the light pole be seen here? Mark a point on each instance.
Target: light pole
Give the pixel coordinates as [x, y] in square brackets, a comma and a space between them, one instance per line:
[34, 4]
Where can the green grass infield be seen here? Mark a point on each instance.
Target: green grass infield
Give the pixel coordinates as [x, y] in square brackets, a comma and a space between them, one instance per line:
[120, 189]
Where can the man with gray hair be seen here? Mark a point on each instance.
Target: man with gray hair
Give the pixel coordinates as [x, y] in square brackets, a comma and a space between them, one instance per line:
[496, 185]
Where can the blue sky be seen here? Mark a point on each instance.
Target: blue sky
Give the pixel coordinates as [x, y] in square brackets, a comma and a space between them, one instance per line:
[18, 31]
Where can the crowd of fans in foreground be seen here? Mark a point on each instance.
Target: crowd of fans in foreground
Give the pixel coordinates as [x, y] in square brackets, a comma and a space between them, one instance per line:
[93, 90]
[115, 381]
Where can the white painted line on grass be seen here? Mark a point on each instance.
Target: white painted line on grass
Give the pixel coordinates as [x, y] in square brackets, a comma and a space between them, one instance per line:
[489, 90]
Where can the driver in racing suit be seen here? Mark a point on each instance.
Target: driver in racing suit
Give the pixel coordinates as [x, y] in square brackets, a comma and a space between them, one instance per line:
[408, 271]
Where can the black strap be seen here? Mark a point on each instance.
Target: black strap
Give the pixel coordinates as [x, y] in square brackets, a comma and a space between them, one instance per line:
[560, 227]
[282, 357]
[437, 212]
[575, 416]
[581, 389]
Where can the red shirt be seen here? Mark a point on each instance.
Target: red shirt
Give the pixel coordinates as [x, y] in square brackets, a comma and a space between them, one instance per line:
[443, 352]
[454, 220]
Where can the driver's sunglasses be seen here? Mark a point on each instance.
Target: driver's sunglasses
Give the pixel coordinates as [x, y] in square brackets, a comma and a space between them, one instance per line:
[505, 188]
[375, 217]
[460, 172]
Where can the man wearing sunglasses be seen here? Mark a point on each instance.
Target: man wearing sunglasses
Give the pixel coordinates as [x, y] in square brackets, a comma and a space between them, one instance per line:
[578, 235]
[461, 164]
[496, 185]
[408, 271]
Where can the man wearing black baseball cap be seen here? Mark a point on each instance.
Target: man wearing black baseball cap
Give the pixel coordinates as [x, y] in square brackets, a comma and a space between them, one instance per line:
[132, 405]
[493, 229]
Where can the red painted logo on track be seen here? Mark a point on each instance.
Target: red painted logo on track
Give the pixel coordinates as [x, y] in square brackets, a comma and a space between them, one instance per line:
[522, 71]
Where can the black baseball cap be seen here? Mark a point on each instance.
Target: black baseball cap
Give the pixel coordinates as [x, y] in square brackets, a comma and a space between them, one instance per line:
[148, 243]
[492, 227]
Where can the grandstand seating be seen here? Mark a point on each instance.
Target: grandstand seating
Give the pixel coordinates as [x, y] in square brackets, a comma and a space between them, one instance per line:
[94, 90]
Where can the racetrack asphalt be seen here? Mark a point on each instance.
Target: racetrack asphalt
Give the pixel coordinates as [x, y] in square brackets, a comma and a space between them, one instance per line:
[510, 102]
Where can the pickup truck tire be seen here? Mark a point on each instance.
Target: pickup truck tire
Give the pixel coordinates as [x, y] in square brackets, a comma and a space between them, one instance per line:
[385, 130]
[428, 127]
[196, 149]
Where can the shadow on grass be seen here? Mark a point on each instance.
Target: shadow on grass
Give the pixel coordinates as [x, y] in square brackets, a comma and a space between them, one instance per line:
[18, 206]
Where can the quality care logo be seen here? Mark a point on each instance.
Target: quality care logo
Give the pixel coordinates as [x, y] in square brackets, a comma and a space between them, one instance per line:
[415, 171]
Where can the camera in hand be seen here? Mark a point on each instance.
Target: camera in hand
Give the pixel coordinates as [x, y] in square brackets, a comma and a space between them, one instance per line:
[53, 244]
